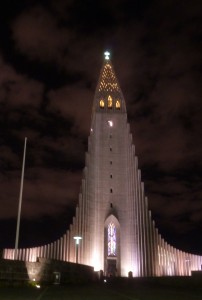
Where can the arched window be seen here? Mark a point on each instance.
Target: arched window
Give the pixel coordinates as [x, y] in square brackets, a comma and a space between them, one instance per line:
[111, 239]
[102, 104]
[109, 102]
[118, 105]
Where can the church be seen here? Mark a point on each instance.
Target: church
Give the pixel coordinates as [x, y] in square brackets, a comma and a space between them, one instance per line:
[113, 229]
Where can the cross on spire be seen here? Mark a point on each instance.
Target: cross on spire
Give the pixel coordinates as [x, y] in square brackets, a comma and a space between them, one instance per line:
[107, 54]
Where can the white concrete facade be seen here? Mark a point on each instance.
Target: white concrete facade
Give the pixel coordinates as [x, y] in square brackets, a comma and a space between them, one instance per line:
[112, 193]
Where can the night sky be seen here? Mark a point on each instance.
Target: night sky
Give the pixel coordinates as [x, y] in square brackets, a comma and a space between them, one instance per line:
[51, 53]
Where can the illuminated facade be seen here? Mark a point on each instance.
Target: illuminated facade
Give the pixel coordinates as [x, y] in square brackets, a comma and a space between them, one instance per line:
[112, 216]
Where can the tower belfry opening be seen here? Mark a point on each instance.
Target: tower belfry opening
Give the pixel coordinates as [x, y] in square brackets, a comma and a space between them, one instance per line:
[118, 233]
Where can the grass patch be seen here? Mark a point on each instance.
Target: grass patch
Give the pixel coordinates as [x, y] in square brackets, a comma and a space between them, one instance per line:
[114, 289]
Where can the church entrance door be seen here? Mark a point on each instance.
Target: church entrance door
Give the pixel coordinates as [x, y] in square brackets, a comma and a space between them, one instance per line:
[111, 267]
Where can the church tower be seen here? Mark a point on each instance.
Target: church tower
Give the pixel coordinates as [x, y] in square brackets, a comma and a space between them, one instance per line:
[112, 216]
[111, 173]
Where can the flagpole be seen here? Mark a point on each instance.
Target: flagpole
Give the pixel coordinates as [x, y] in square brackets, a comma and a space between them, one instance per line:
[20, 202]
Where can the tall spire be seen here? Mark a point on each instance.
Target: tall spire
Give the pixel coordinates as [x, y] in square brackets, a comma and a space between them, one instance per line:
[108, 95]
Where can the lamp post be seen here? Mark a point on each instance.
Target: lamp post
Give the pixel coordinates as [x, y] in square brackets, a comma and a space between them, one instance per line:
[77, 240]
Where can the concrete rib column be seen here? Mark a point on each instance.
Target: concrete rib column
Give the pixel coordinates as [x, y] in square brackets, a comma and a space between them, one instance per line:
[57, 249]
[143, 229]
[19, 254]
[129, 204]
[134, 214]
[68, 247]
[82, 227]
[148, 237]
[54, 250]
[51, 251]
[23, 254]
[160, 257]
[81, 198]
[26, 255]
[45, 251]
[174, 262]
[165, 257]
[86, 223]
[85, 217]
[137, 218]
[48, 251]
[156, 259]
[140, 225]
[153, 246]
[170, 265]
[177, 262]
[40, 251]
[146, 226]
[151, 236]
[31, 254]
[76, 228]
[180, 262]
[71, 249]
[171, 260]
[157, 251]
[64, 251]
[61, 249]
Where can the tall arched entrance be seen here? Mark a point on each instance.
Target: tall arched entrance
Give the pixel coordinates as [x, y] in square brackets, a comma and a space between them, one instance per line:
[112, 247]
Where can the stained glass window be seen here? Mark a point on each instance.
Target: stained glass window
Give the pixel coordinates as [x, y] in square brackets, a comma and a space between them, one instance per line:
[111, 239]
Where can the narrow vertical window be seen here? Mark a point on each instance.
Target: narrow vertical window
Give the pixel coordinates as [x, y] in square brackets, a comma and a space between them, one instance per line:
[118, 105]
[102, 104]
[111, 239]
[109, 102]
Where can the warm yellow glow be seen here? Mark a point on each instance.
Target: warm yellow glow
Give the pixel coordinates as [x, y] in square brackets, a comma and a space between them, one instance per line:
[110, 102]
[108, 81]
[35, 271]
[102, 104]
[96, 262]
[118, 105]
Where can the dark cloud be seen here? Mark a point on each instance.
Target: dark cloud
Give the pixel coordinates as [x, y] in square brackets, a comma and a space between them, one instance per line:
[73, 103]
[37, 34]
[17, 90]
[51, 55]
[47, 186]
